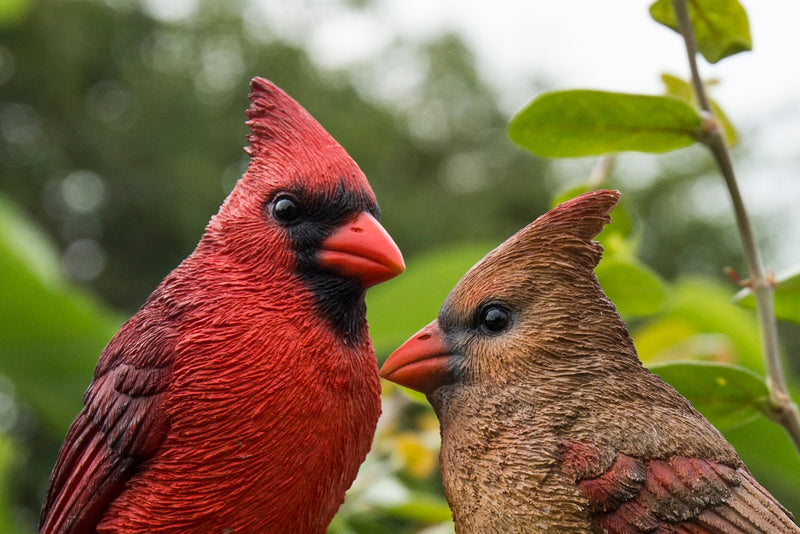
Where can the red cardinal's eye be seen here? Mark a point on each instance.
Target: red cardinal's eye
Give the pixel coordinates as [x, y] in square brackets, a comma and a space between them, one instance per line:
[494, 319]
[285, 209]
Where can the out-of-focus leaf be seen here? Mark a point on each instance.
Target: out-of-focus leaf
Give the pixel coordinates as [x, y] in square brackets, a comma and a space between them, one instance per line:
[417, 457]
[448, 527]
[682, 89]
[618, 239]
[50, 332]
[415, 396]
[633, 287]
[568, 193]
[677, 344]
[400, 307]
[727, 395]
[727, 126]
[587, 123]
[6, 460]
[423, 507]
[678, 87]
[657, 340]
[13, 12]
[770, 456]
[787, 297]
[698, 306]
[25, 241]
[721, 28]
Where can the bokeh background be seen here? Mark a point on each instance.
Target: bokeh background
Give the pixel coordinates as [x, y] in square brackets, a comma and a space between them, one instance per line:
[121, 128]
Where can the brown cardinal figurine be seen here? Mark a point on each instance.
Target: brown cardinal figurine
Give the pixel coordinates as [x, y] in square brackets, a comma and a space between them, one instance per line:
[549, 421]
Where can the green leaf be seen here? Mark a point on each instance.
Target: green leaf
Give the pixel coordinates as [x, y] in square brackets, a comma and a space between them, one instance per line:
[787, 297]
[683, 90]
[678, 88]
[27, 243]
[568, 194]
[13, 12]
[770, 456]
[634, 288]
[699, 320]
[586, 123]
[721, 28]
[727, 126]
[8, 458]
[51, 333]
[423, 507]
[400, 307]
[727, 395]
[619, 240]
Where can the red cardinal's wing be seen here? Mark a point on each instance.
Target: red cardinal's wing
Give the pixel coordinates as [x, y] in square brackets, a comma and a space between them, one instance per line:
[677, 495]
[121, 424]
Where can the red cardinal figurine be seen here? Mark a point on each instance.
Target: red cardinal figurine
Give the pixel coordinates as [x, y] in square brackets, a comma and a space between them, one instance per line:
[243, 396]
[549, 421]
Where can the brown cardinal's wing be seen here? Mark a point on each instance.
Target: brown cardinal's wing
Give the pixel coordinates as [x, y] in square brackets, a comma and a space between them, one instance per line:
[121, 424]
[678, 495]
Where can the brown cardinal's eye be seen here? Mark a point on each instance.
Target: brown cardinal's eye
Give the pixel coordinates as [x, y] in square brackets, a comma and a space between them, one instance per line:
[285, 209]
[494, 319]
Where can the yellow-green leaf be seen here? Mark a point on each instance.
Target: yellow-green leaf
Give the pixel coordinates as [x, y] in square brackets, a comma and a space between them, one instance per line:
[421, 506]
[683, 90]
[700, 306]
[632, 286]
[7, 460]
[678, 87]
[721, 28]
[13, 12]
[726, 394]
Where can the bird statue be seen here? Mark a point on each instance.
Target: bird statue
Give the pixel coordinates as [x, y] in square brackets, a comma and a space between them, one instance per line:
[549, 421]
[243, 395]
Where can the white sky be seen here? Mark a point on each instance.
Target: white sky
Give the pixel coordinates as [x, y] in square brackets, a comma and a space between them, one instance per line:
[609, 45]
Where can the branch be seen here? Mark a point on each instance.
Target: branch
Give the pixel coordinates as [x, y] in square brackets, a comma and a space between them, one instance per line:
[786, 411]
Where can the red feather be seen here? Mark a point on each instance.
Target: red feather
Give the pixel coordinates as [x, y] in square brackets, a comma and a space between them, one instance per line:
[674, 495]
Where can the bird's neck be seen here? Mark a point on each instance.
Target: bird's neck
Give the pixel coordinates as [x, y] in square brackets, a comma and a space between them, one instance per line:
[499, 461]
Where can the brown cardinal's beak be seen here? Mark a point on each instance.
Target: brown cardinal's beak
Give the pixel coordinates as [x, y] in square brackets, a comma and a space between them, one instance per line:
[421, 363]
[363, 250]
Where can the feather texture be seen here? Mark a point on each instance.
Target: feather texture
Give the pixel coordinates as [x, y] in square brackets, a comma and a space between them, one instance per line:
[677, 494]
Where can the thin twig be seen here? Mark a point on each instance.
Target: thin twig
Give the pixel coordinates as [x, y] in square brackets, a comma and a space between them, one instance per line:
[786, 411]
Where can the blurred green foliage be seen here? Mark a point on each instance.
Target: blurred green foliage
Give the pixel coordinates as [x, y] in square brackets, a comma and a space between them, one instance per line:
[52, 328]
[787, 297]
[121, 135]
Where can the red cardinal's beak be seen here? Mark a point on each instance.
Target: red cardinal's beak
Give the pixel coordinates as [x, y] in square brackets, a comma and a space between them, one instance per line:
[421, 363]
[363, 250]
